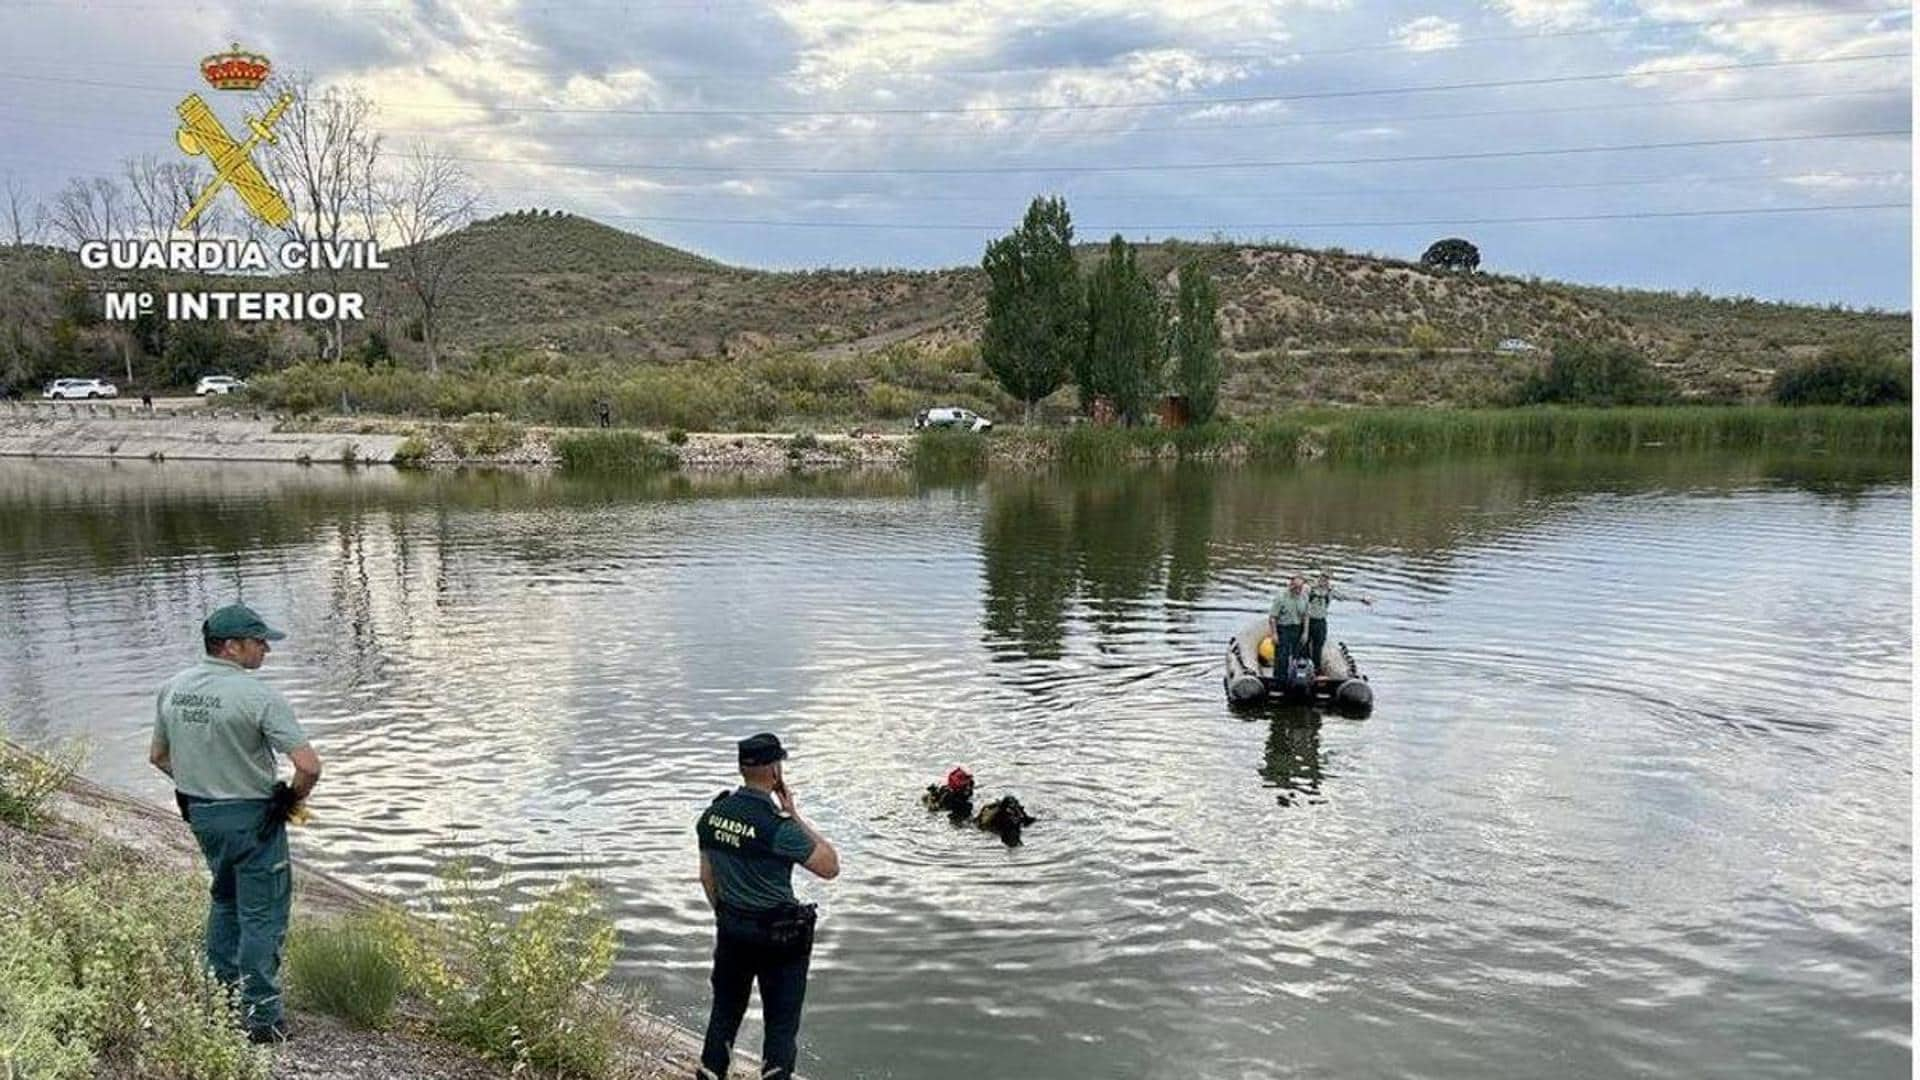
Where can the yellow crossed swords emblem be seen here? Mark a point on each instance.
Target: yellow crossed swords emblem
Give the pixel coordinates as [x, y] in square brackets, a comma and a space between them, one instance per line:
[201, 133]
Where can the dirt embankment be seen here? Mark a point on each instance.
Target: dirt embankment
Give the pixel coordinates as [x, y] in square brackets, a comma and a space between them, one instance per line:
[129, 432]
[123, 432]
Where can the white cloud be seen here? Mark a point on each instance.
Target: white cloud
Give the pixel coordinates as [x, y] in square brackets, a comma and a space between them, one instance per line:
[1679, 72]
[1548, 14]
[1833, 181]
[1428, 33]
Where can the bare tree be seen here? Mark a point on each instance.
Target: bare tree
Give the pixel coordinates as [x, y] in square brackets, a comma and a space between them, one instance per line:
[432, 198]
[325, 151]
[160, 193]
[88, 210]
[25, 218]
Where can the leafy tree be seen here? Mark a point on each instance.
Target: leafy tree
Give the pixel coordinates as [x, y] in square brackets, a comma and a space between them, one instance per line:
[1861, 372]
[63, 347]
[1036, 315]
[1603, 374]
[194, 349]
[1453, 253]
[1124, 345]
[78, 306]
[375, 351]
[1196, 342]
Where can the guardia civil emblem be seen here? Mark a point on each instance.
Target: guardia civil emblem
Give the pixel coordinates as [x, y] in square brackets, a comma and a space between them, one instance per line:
[201, 133]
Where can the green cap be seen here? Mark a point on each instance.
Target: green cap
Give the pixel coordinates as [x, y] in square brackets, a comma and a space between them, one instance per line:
[238, 621]
[761, 749]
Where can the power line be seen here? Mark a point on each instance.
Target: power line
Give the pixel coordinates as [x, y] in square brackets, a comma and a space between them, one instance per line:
[1024, 133]
[1199, 166]
[1104, 106]
[1183, 128]
[1277, 195]
[1279, 52]
[915, 226]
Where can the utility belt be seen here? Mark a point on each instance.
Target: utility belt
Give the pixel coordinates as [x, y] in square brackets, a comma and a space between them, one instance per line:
[788, 925]
[185, 801]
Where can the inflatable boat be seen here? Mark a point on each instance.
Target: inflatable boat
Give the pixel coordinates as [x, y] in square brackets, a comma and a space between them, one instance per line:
[1251, 677]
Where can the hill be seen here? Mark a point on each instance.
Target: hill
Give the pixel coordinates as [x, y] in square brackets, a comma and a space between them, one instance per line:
[1300, 324]
[554, 242]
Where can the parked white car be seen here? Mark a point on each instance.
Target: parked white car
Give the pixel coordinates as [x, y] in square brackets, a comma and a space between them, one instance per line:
[79, 388]
[218, 384]
[1514, 345]
[964, 419]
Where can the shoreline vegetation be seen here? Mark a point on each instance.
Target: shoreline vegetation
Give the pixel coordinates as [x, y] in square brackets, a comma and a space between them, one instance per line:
[100, 962]
[1289, 438]
[1296, 437]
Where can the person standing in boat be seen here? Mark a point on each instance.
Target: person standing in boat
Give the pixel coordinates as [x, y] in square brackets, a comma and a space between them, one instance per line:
[1287, 622]
[1318, 597]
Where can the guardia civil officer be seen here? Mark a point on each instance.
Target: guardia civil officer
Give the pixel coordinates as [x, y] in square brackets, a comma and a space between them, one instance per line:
[1287, 622]
[1319, 596]
[750, 839]
[216, 730]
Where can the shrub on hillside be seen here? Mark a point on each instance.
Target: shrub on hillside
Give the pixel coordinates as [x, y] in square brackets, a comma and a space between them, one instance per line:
[1854, 373]
[1424, 339]
[1603, 374]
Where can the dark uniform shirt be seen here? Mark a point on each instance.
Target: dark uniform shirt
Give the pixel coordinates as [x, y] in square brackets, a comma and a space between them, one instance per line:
[752, 847]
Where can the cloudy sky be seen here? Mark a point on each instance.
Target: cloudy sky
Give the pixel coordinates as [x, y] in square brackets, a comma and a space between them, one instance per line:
[1601, 141]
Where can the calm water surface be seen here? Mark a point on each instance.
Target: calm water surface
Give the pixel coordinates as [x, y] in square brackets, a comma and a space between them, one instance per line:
[1636, 798]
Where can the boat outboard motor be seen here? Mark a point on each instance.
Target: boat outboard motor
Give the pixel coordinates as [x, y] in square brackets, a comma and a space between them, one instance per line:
[1353, 697]
[1297, 681]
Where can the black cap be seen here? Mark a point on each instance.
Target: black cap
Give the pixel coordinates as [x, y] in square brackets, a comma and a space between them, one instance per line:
[761, 749]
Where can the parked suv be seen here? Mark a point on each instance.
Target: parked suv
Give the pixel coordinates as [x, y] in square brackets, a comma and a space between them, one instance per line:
[964, 419]
[218, 384]
[80, 388]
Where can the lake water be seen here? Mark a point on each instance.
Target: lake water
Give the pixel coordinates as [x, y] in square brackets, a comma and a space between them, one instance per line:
[1635, 798]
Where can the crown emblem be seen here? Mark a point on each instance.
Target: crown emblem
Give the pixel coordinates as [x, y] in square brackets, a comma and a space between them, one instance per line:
[235, 70]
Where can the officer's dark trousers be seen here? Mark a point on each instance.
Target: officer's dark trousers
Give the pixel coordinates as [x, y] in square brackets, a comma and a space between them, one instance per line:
[251, 896]
[1316, 640]
[740, 956]
[1288, 645]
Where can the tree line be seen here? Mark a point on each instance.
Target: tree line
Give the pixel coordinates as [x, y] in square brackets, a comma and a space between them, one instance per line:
[335, 171]
[1111, 333]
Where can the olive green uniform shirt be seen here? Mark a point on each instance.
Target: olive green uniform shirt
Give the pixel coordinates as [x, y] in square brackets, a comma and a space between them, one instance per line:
[1318, 599]
[762, 884]
[221, 726]
[1288, 609]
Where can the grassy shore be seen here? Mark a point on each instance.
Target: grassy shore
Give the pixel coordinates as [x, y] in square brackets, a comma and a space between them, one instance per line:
[1384, 434]
[100, 963]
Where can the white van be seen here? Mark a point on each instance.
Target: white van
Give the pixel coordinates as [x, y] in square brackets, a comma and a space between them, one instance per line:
[949, 417]
[79, 388]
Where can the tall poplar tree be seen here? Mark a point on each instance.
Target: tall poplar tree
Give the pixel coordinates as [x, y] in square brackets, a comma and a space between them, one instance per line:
[1036, 315]
[1124, 345]
[1196, 342]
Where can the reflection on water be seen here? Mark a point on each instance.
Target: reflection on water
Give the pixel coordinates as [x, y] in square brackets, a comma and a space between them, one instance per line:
[1617, 811]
